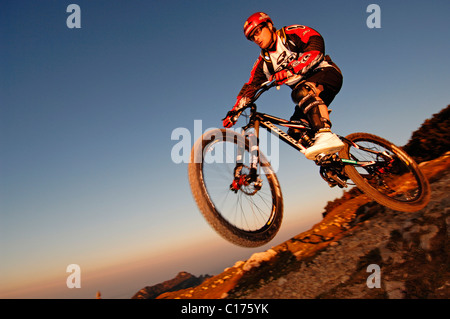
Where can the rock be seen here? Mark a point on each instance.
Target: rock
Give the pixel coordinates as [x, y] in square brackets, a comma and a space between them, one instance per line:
[281, 281]
[430, 232]
[344, 278]
[257, 258]
[395, 289]
[334, 243]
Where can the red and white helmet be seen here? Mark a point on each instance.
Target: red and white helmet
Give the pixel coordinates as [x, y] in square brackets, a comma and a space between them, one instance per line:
[254, 21]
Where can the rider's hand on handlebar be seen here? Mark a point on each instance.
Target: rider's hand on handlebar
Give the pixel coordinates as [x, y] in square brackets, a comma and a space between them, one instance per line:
[281, 77]
[233, 115]
[230, 119]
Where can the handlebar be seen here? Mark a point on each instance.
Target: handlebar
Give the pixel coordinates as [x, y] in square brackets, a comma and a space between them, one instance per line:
[263, 88]
[270, 84]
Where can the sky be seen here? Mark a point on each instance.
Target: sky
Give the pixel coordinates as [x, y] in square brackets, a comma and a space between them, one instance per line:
[87, 115]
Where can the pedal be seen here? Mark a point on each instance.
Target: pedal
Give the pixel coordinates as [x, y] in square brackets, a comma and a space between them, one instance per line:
[333, 178]
[338, 181]
[323, 159]
[332, 184]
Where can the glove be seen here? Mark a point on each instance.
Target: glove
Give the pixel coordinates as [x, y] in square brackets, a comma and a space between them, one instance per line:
[230, 119]
[281, 77]
[233, 115]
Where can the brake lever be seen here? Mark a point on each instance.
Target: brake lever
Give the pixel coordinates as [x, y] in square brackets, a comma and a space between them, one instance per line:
[268, 83]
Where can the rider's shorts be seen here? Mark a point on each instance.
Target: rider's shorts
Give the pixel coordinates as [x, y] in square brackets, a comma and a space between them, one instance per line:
[329, 77]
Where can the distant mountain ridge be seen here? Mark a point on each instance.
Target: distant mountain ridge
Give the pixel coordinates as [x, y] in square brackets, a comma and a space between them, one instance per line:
[182, 280]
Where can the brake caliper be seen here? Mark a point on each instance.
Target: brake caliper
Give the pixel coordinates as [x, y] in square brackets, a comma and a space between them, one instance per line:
[245, 179]
[238, 178]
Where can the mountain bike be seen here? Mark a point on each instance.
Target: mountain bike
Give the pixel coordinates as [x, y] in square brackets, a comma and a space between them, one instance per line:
[239, 194]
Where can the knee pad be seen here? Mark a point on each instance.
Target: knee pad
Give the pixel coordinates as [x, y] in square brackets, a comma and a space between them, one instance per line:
[302, 90]
[308, 101]
[316, 119]
[306, 96]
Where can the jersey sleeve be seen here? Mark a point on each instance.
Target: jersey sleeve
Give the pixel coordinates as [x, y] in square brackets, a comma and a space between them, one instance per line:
[257, 77]
[305, 38]
[310, 46]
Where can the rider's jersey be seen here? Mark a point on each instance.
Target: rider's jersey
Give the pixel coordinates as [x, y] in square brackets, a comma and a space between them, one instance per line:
[297, 45]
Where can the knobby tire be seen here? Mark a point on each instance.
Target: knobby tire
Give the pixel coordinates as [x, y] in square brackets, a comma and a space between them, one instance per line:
[402, 187]
[211, 208]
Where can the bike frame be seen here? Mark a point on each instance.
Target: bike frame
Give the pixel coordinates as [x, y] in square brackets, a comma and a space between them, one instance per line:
[269, 122]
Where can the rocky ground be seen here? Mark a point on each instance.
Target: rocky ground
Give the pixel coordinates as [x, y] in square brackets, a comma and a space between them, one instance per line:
[340, 256]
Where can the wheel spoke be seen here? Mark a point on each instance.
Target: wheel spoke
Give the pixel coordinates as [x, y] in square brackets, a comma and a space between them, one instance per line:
[392, 178]
[250, 209]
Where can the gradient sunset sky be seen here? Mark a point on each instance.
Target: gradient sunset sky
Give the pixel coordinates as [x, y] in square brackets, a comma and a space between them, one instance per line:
[87, 115]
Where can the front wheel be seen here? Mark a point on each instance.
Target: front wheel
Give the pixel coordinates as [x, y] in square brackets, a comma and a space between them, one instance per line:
[385, 172]
[244, 208]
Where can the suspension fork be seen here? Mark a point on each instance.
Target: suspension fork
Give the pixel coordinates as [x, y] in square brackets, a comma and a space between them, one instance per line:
[254, 147]
[253, 138]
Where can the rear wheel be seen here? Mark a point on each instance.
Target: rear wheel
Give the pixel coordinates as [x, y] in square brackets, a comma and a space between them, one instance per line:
[386, 173]
[245, 210]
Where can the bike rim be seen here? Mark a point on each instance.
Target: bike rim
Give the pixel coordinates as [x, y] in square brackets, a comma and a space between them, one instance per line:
[392, 176]
[248, 210]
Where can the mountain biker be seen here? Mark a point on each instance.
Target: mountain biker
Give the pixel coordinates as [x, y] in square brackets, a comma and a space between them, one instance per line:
[293, 50]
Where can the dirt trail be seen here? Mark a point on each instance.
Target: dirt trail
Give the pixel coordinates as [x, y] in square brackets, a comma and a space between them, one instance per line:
[331, 259]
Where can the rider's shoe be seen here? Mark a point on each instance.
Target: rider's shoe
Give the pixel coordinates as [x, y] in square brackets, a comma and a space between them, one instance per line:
[324, 142]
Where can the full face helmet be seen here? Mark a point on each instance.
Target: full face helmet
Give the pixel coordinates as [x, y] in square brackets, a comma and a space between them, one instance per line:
[254, 21]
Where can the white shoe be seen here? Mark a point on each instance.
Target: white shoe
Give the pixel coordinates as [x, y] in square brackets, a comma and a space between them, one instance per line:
[324, 142]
